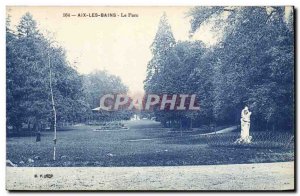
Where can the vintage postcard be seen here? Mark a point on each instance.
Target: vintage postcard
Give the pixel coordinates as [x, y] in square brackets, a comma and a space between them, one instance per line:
[150, 98]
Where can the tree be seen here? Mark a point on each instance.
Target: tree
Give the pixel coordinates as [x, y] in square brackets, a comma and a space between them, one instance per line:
[161, 48]
[253, 63]
[164, 55]
[99, 83]
[29, 99]
[176, 69]
[27, 26]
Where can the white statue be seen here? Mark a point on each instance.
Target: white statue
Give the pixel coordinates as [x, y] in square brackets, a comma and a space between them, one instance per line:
[245, 127]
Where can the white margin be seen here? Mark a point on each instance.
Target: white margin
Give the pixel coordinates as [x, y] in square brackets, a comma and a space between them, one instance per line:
[5, 3]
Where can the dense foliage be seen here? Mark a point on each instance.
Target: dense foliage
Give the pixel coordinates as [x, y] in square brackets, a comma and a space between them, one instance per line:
[252, 64]
[30, 56]
[96, 85]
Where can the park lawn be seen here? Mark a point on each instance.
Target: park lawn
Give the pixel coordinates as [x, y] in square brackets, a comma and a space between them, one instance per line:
[145, 143]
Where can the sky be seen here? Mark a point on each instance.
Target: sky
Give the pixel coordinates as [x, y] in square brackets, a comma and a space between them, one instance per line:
[118, 45]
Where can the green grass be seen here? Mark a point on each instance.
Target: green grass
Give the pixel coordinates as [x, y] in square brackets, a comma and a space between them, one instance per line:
[81, 146]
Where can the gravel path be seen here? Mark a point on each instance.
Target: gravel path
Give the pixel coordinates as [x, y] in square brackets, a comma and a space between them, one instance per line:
[262, 176]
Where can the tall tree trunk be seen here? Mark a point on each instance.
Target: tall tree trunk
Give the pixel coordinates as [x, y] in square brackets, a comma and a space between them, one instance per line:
[37, 130]
[53, 108]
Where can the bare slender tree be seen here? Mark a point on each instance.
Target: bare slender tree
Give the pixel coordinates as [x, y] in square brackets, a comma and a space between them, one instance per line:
[53, 106]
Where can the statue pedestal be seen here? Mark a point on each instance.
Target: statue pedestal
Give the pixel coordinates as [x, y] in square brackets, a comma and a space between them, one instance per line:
[246, 140]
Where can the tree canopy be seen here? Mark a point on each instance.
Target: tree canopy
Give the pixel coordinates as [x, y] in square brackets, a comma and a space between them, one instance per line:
[252, 64]
[29, 54]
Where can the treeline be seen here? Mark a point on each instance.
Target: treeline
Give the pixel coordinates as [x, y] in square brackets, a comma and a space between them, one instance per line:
[29, 58]
[252, 64]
